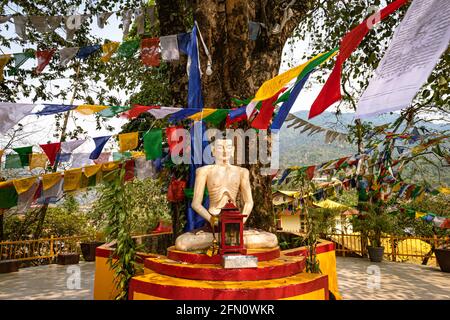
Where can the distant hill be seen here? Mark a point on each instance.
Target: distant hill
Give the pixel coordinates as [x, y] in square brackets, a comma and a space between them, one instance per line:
[301, 149]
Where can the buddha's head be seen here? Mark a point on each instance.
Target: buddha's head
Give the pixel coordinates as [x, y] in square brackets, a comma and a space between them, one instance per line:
[223, 150]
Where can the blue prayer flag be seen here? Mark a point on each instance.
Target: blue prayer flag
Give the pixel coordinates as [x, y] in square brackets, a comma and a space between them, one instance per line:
[99, 144]
[54, 108]
[85, 52]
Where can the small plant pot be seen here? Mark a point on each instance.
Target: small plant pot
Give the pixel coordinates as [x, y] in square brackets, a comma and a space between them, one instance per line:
[7, 266]
[375, 253]
[88, 249]
[68, 258]
[443, 259]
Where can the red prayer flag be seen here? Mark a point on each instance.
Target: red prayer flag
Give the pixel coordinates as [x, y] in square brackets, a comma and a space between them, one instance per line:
[129, 170]
[43, 58]
[150, 52]
[175, 193]
[137, 110]
[172, 139]
[229, 122]
[331, 91]
[339, 162]
[51, 150]
[262, 120]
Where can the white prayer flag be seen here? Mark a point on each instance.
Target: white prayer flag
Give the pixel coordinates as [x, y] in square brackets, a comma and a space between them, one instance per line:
[70, 146]
[163, 112]
[12, 113]
[418, 42]
[169, 48]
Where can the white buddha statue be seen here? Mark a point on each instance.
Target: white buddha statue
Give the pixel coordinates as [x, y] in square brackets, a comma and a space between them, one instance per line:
[224, 181]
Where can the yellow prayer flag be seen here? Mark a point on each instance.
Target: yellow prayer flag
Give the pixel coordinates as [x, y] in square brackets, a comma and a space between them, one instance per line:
[88, 109]
[23, 185]
[108, 50]
[50, 179]
[72, 179]
[128, 141]
[108, 166]
[202, 114]
[89, 171]
[4, 59]
[272, 86]
[396, 187]
[137, 154]
[38, 160]
[420, 214]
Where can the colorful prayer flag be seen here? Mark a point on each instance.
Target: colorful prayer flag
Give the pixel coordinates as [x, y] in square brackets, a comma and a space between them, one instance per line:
[128, 48]
[88, 109]
[113, 111]
[67, 54]
[150, 52]
[38, 160]
[169, 48]
[202, 114]
[51, 150]
[89, 171]
[22, 185]
[99, 144]
[70, 146]
[50, 109]
[12, 161]
[153, 144]
[43, 58]
[24, 154]
[103, 158]
[12, 113]
[8, 195]
[108, 50]
[50, 179]
[85, 52]
[128, 141]
[72, 179]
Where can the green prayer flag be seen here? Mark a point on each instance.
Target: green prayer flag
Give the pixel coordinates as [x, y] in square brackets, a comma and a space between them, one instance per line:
[315, 63]
[19, 60]
[24, 154]
[113, 111]
[153, 144]
[117, 156]
[241, 102]
[217, 117]
[12, 161]
[128, 48]
[8, 197]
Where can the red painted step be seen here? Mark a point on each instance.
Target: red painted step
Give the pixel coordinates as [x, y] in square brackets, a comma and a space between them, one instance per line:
[284, 266]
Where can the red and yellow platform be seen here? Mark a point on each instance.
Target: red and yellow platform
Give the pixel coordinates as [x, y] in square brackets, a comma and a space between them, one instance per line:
[191, 276]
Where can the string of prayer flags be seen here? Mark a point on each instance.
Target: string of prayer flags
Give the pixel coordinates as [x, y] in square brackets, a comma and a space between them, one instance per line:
[169, 48]
[331, 91]
[269, 88]
[8, 195]
[409, 68]
[99, 144]
[150, 52]
[113, 111]
[67, 54]
[50, 179]
[70, 146]
[12, 113]
[163, 112]
[278, 121]
[43, 58]
[24, 154]
[182, 114]
[4, 59]
[108, 50]
[128, 141]
[22, 185]
[88, 109]
[153, 144]
[38, 160]
[50, 109]
[51, 150]
[72, 179]
[137, 110]
[128, 48]
[201, 114]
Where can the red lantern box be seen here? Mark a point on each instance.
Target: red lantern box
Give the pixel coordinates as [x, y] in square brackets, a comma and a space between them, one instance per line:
[231, 223]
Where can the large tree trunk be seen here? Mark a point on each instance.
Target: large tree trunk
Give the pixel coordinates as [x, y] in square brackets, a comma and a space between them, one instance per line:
[240, 65]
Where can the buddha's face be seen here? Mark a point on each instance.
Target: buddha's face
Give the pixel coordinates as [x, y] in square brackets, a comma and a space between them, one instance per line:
[223, 151]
